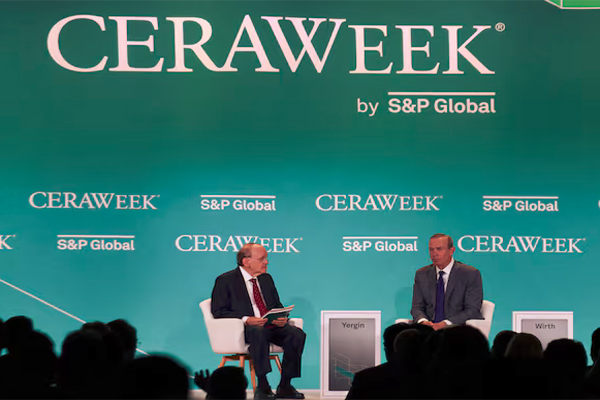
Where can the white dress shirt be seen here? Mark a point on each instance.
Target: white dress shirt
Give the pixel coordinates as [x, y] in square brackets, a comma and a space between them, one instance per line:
[249, 287]
[446, 270]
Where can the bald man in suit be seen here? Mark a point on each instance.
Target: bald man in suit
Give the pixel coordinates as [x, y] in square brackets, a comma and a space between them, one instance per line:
[247, 292]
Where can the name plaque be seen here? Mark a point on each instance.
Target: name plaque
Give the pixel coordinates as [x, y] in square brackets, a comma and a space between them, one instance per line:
[545, 325]
[350, 342]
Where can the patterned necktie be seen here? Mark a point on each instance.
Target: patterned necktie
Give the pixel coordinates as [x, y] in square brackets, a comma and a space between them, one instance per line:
[439, 299]
[262, 308]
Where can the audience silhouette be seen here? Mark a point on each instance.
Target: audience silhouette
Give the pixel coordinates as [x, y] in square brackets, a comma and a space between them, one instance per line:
[592, 379]
[97, 362]
[154, 377]
[456, 363]
[395, 378]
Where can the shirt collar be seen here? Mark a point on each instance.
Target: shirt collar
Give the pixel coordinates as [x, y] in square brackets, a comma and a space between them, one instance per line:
[447, 269]
[245, 274]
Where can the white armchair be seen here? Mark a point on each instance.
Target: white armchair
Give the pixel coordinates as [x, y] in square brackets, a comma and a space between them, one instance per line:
[226, 337]
[484, 325]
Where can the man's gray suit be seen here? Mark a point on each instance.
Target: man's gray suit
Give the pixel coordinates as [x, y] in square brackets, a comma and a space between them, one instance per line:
[463, 294]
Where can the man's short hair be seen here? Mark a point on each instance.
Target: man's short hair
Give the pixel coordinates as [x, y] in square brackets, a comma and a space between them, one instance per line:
[443, 235]
[245, 251]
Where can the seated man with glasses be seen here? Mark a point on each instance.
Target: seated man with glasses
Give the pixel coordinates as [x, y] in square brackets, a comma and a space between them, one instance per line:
[248, 292]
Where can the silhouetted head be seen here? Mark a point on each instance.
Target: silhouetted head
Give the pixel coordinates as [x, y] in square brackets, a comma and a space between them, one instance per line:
[30, 371]
[501, 342]
[83, 364]
[566, 356]
[389, 335]
[127, 335]
[409, 344]
[15, 329]
[97, 326]
[2, 335]
[457, 363]
[524, 346]
[595, 350]
[227, 383]
[38, 357]
[112, 342]
[154, 377]
[462, 342]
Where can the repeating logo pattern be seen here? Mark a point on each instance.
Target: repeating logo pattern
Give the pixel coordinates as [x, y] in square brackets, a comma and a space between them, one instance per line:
[206, 242]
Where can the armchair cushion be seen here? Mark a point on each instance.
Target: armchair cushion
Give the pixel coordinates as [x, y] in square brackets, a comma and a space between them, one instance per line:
[226, 335]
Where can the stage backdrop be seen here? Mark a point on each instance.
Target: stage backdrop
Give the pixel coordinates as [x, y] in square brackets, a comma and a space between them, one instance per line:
[142, 143]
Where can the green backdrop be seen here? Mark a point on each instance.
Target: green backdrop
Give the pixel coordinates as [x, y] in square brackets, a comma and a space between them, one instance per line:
[296, 134]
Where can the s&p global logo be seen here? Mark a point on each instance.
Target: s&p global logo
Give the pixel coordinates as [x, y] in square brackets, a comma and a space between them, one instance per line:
[521, 203]
[96, 242]
[234, 243]
[380, 243]
[5, 242]
[377, 202]
[519, 244]
[93, 200]
[222, 202]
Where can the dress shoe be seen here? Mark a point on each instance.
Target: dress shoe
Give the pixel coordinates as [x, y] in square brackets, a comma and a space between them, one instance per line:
[264, 394]
[288, 392]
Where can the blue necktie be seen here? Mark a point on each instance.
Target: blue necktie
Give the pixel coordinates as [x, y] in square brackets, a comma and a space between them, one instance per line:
[439, 299]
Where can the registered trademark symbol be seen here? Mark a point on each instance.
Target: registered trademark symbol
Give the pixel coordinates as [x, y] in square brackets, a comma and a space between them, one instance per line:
[500, 27]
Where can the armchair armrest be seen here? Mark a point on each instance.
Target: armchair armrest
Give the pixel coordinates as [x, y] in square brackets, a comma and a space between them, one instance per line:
[481, 324]
[226, 335]
[297, 322]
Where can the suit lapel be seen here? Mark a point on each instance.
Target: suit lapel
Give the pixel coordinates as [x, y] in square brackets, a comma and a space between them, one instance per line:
[240, 287]
[265, 288]
[452, 279]
[432, 278]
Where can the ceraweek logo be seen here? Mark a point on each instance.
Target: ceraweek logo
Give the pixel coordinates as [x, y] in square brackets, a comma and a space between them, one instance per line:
[521, 203]
[234, 243]
[96, 242]
[376, 202]
[4, 242]
[380, 243]
[93, 200]
[221, 202]
[400, 45]
[519, 244]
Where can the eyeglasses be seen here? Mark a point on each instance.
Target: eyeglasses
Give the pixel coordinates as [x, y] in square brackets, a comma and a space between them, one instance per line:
[262, 259]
